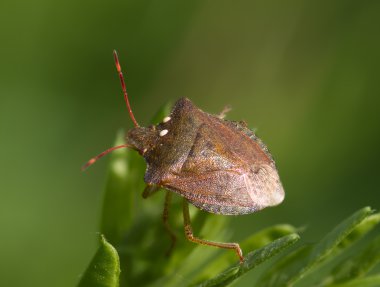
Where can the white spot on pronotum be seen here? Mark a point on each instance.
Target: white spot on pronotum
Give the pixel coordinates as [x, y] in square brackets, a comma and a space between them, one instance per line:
[166, 119]
[163, 132]
[145, 149]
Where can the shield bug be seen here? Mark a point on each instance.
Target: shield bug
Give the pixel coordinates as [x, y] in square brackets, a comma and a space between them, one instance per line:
[219, 166]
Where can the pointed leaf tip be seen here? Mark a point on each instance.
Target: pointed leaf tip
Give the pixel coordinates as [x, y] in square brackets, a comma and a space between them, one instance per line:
[104, 268]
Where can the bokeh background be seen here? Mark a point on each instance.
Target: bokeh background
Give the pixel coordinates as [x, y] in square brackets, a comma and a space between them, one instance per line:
[306, 74]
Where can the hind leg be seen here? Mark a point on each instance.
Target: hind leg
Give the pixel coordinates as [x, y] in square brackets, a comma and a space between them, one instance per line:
[190, 236]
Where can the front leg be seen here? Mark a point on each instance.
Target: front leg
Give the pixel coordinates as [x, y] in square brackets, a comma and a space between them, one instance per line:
[165, 218]
[192, 238]
[150, 190]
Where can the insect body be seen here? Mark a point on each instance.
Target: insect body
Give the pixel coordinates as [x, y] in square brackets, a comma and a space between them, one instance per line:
[217, 165]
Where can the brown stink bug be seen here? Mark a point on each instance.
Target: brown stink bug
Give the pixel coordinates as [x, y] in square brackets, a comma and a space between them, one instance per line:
[219, 166]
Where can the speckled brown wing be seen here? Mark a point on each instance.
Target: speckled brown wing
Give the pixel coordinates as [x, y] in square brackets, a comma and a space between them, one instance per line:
[227, 170]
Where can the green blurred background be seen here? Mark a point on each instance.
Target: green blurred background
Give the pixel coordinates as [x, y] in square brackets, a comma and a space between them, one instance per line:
[306, 74]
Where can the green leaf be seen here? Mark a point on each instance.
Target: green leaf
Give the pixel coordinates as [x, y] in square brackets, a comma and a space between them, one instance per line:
[252, 260]
[307, 258]
[104, 268]
[123, 182]
[358, 265]
[371, 281]
[336, 236]
[362, 229]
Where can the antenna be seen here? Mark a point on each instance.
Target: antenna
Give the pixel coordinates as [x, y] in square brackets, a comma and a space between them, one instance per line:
[94, 159]
[118, 67]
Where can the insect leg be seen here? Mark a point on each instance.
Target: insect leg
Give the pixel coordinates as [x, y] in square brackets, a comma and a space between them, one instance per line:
[150, 190]
[192, 238]
[165, 218]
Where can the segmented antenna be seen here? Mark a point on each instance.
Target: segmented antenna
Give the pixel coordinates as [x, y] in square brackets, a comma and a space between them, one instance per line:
[94, 159]
[118, 67]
